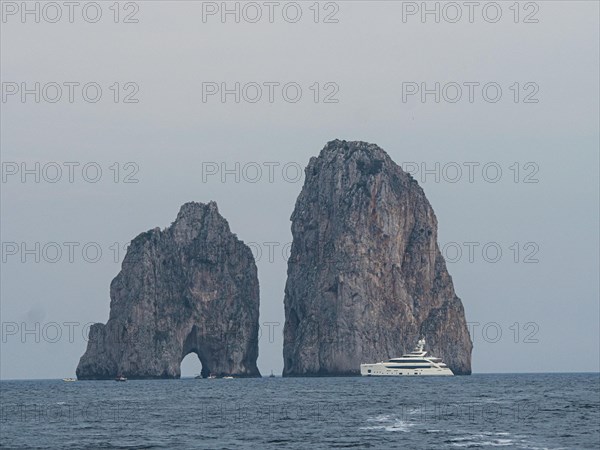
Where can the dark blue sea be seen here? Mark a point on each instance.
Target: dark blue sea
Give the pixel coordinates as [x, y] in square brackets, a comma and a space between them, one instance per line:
[526, 411]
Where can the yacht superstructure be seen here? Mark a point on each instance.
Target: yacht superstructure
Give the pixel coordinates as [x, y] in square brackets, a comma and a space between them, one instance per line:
[413, 363]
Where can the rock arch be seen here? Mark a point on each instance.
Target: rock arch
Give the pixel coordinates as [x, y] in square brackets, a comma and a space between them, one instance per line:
[192, 287]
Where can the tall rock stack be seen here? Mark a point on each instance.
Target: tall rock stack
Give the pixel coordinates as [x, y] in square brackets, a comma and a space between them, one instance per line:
[191, 288]
[365, 275]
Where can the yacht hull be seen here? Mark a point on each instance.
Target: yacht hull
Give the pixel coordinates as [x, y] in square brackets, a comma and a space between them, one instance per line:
[380, 370]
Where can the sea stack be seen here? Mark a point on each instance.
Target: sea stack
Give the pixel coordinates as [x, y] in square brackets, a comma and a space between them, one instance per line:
[366, 278]
[190, 288]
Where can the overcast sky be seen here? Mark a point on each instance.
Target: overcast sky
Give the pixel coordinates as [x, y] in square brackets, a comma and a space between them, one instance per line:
[528, 157]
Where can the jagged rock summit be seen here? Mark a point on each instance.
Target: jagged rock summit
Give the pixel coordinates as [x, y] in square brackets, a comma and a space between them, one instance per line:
[365, 276]
[191, 288]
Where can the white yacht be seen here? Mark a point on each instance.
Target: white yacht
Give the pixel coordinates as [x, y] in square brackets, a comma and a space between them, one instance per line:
[413, 363]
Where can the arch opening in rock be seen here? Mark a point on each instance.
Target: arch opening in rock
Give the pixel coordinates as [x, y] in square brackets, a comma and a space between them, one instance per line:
[193, 346]
[191, 366]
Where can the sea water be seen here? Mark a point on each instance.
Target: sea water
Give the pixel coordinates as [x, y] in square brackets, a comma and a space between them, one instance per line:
[526, 411]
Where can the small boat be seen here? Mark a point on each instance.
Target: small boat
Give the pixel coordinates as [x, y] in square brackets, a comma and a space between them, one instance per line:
[228, 378]
[120, 378]
[69, 380]
[414, 363]
[212, 377]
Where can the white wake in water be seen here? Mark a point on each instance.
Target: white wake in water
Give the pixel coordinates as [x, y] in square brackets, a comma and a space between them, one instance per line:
[388, 423]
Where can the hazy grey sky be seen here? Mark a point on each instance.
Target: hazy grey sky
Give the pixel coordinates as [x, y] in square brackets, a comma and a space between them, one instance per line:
[544, 288]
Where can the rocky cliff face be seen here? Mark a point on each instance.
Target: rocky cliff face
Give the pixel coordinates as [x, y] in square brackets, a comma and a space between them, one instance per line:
[191, 288]
[365, 274]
